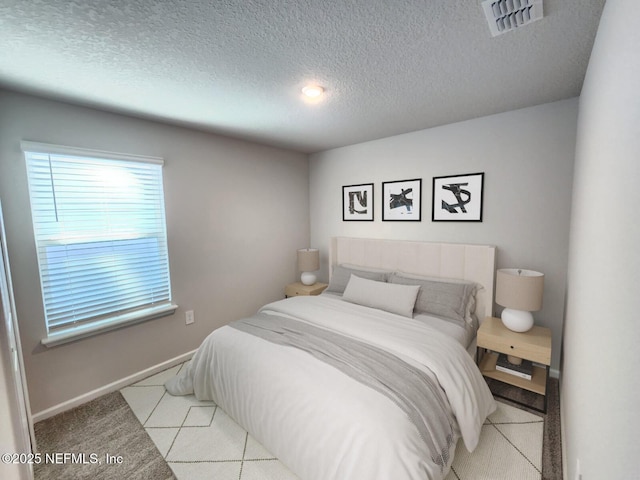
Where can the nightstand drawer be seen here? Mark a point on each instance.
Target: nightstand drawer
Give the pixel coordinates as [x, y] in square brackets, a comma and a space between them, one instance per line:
[534, 345]
[296, 289]
[517, 349]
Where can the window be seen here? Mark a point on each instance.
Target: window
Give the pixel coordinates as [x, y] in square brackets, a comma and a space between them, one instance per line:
[100, 233]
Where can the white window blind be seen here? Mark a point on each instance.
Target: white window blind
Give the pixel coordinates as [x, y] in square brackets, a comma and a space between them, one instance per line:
[100, 232]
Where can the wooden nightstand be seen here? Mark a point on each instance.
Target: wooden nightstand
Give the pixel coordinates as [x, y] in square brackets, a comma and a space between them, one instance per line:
[534, 345]
[296, 289]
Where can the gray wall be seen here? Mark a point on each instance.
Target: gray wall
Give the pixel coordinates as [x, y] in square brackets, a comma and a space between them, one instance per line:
[600, 385]
[236, 214]
[527, 157]
[14, 436]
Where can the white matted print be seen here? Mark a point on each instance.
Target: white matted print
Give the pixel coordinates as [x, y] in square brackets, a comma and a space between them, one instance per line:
[401, 200]
[458, 198]
[357, 202]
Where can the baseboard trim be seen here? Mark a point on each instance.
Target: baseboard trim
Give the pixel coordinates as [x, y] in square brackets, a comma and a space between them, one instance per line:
[112, 387]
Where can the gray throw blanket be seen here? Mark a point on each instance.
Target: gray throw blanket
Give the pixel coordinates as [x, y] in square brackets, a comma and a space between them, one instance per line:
[415, 392]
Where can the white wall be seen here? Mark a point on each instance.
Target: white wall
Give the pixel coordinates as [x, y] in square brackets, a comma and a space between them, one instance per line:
[600, 386]
[12, 435]
[527, 157]
[236, 214]
[15, 426]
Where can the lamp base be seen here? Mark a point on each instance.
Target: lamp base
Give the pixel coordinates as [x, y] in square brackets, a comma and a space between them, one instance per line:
[308, 278]
[517, 320]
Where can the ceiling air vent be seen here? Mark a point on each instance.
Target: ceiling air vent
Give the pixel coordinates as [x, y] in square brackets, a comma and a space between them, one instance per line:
[506, 15]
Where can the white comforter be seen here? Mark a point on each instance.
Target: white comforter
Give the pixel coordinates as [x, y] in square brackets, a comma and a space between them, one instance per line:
[320, 422]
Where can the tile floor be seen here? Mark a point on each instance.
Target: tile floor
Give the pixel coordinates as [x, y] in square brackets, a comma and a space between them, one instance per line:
[199, 441]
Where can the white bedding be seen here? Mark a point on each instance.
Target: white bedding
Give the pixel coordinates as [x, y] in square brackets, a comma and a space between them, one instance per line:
[464, 336]
[321, 423]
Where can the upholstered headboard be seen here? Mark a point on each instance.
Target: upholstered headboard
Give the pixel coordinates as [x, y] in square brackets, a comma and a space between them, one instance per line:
[445, 260]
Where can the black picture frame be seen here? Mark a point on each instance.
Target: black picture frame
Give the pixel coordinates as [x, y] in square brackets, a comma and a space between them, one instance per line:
[402, 200]
[357, 203]
[458, 198]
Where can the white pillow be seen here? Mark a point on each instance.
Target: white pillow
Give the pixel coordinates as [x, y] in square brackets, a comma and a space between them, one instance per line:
[394, 298]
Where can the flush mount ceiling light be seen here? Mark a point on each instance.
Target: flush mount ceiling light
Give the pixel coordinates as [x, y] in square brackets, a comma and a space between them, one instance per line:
[506, 15]
[312, 91]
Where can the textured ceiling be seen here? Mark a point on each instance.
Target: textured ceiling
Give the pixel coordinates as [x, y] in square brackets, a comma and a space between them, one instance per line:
[236, 67]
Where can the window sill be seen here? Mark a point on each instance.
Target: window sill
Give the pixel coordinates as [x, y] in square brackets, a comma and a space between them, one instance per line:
[108, 324]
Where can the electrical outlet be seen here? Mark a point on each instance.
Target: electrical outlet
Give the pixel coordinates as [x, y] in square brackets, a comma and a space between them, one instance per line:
[189, 317]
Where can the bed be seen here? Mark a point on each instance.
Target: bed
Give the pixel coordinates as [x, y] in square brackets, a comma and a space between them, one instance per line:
[373, 379]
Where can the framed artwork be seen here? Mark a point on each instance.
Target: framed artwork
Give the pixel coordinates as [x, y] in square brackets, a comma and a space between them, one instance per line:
[458, 198]
[402, 200]
[357, 203]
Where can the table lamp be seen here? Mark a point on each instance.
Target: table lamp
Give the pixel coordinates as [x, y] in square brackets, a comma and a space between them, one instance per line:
[308, 263]
[520, 291]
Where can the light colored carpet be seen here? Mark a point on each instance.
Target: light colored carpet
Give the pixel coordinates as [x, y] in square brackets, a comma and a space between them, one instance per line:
[101, 439]
[200, 441]
[510, 448]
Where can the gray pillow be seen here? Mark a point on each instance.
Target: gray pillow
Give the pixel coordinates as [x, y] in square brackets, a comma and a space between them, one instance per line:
[342, 274]
[450, 299]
